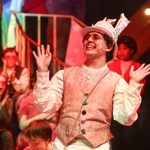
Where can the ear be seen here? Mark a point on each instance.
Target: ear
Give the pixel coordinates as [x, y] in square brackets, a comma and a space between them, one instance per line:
[108, 49]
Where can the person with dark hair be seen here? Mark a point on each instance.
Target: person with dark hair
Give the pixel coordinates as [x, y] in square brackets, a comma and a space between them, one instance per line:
[28, 112]
[38, 135]
[17, 82]
[129, 42]
[6, 107]
[126, 137]
[87, 96]
[127, 47]
[18, 77]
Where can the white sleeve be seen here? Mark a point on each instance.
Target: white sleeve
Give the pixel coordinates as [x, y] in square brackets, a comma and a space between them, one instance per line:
[48, 93]
[126, 101]
[21, 84]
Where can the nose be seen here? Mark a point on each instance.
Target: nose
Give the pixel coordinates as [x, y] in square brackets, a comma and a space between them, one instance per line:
[90, 38]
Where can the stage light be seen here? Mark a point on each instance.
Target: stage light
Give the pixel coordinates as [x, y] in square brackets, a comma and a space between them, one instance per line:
[147, 11]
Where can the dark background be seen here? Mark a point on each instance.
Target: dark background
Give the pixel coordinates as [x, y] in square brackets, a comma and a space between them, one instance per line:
[90, 11]
[98, 9]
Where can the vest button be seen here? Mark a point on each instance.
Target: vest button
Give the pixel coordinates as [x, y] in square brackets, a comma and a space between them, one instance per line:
[82, 122]
[83, 112]
[86, 94]
[83, 131]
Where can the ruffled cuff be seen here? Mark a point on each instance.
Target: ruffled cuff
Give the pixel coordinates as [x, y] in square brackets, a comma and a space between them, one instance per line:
[42, 77]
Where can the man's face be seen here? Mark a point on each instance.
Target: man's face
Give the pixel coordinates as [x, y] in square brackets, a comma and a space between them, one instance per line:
[11, 59]
[124, 53]
[2, 84]
[93, 43]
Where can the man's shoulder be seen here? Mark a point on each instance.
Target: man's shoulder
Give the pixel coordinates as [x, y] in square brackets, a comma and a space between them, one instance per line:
[114, 74]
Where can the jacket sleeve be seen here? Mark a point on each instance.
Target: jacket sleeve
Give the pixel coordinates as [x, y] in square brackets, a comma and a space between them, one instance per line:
[126, 102]
[48, 93]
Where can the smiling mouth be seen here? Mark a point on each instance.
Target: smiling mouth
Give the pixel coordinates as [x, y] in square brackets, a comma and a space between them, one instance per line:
[90, 46]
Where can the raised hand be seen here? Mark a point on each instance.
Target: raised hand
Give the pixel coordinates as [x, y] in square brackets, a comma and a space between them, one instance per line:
[139, 74]
[43, 58]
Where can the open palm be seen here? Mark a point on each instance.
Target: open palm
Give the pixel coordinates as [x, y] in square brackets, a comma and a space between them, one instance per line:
[139, 74]
[43, 58]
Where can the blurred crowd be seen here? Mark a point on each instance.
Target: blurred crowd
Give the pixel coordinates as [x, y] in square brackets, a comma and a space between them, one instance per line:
[17, 107]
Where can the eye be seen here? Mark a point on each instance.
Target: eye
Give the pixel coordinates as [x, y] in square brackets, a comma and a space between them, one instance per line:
[96, 37]
[93, 36]
[86, 37]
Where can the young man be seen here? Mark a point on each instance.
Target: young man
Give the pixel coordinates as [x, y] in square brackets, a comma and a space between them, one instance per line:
[88, 95]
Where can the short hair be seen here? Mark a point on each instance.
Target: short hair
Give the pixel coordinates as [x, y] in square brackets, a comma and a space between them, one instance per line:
[129, 42]
[110, 43]
[9, 49]
[39, 128]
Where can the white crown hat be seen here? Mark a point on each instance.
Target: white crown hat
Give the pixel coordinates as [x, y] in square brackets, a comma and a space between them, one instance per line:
[106, 27]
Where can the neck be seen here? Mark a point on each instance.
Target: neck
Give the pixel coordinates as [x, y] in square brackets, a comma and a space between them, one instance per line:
[96, 63]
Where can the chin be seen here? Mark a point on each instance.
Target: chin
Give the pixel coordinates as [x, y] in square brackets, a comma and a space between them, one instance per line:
[89, 53]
